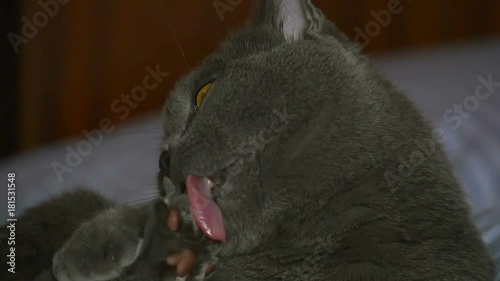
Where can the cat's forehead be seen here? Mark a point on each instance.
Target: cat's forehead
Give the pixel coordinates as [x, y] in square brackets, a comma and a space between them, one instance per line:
[248, 42]
[238, 46]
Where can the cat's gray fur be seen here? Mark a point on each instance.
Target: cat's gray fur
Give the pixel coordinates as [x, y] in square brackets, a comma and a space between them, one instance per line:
[81, 236]
[313, 147]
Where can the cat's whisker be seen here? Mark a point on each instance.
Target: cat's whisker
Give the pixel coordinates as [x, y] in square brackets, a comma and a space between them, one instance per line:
[150, 191]
[151, 188]
[180, 47]
[141, 201]
[162, 18]
[149, 185]
[137, 205]
[141, 134]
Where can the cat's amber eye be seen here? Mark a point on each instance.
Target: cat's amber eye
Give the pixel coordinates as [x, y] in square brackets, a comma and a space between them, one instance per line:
[202, 93]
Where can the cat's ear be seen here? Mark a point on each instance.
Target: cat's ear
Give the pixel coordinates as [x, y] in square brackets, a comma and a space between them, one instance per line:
[291, 18]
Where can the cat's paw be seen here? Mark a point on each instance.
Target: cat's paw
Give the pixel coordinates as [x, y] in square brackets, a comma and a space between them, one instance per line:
[181, 219]
[99, 250]
[197, 258]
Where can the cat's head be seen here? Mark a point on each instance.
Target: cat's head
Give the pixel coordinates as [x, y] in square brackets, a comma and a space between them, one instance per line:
[287, 90]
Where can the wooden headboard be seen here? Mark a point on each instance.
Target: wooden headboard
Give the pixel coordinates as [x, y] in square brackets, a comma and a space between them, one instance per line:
[79, 66]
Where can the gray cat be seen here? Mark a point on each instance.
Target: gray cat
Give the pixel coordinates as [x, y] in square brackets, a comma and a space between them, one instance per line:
[299, 162]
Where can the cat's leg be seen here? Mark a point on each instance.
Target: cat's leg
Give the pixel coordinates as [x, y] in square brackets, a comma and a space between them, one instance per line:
[103, 247]
[42, 230]
[134, 243]
[129, 244]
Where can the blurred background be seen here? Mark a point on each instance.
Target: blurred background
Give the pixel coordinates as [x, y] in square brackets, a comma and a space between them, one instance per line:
[86, 54]
[75, 109]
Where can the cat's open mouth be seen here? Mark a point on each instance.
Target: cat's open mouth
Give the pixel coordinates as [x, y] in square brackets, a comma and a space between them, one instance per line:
[202, 193]
[213, 185]
[206, 212]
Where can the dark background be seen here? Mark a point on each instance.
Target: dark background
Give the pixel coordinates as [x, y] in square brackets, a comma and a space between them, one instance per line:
[65, 78]
[8, 72]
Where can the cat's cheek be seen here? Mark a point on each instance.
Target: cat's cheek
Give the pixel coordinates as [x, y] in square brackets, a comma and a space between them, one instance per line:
[232, 219]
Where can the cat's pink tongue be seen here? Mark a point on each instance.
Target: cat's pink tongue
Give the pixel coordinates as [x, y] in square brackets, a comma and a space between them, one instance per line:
[207, 214]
